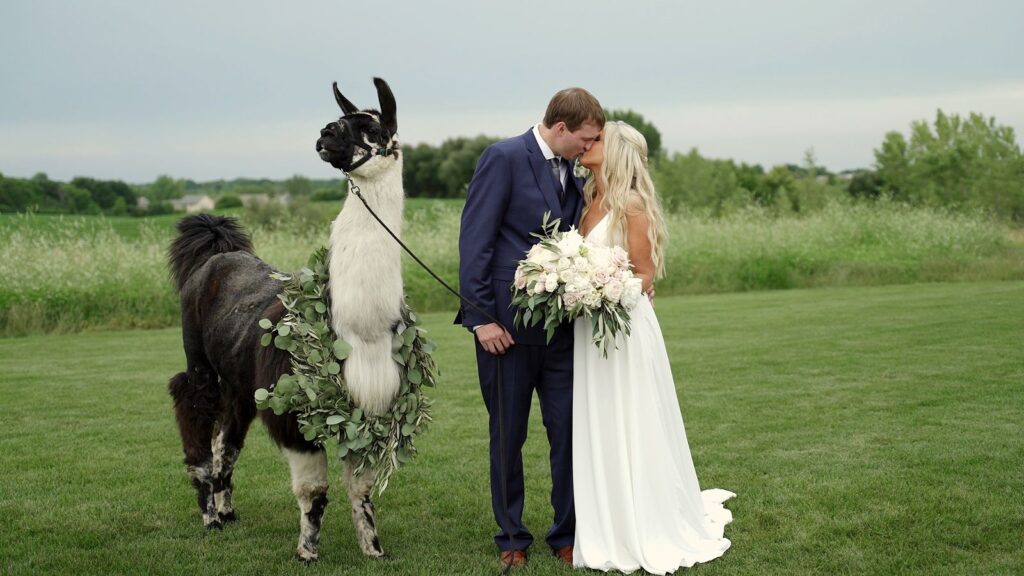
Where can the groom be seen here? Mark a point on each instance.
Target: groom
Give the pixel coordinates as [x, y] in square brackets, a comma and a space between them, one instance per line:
[516, 181]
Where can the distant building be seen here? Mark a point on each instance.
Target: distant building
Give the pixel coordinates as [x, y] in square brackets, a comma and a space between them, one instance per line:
[261, 198]
[142, 203]
[193, 203]
[250, 199]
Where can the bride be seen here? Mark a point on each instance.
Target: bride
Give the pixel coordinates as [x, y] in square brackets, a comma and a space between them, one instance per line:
[638, 503]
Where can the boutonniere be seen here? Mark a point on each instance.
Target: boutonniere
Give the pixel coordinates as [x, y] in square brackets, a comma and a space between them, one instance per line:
[579, 170]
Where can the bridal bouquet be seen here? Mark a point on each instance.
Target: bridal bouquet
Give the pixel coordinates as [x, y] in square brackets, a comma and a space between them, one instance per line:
[564, 277]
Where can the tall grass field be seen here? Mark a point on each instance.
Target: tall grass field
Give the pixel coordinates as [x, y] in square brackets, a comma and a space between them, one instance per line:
[61, 274]
[866, 430]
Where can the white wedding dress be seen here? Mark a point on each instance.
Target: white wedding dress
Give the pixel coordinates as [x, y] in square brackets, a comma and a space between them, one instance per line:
[638, 504]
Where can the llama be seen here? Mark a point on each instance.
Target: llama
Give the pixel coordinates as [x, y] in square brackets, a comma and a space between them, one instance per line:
[225, 291]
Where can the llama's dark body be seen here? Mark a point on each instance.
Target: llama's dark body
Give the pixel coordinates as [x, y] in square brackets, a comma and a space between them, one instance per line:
[225, 291]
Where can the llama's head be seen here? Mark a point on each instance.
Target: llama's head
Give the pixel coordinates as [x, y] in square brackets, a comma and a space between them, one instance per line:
[362, 140]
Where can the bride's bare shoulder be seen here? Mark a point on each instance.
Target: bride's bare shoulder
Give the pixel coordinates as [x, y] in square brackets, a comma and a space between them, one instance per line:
[635, 204]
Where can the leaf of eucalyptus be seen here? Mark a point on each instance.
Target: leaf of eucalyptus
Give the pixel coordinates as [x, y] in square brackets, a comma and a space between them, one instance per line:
[415, 376]
[342, 349]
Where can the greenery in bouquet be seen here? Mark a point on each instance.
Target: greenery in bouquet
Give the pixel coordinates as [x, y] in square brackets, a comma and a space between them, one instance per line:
[564, 276]
[316, 393]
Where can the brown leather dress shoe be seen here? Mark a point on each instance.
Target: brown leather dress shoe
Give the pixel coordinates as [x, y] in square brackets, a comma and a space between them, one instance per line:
[513, 558]
[565, 553]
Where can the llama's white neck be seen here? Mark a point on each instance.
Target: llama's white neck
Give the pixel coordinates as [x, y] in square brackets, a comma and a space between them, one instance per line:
[366, 286]
[384, 195]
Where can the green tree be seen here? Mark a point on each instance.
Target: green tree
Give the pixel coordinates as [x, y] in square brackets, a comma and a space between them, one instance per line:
[636, 120]
[165, 188]
[958, 162]
[865, 184]
[811, 187]
[443, 171]
[79, 201]
[458, 158]
[229, 201]
[106, 192]
[419, 170]
[777, 186]
[15, 194]
[298, 186]
[696, 182]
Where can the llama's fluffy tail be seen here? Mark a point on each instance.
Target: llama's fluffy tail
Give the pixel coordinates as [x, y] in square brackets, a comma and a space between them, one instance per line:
[200, 236]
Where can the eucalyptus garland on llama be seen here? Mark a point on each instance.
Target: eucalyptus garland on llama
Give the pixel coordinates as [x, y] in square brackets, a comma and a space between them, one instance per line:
[316, 392]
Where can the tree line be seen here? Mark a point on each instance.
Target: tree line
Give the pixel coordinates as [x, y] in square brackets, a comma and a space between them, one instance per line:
[963, 163]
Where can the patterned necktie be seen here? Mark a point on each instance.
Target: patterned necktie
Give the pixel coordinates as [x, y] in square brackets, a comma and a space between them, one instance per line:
[555, 164]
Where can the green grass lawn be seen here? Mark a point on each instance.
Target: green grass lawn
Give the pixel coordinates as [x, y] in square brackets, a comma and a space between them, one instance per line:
[865, 430]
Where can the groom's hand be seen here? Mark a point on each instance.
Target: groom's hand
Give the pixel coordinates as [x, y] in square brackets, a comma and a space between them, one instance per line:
[494, 339]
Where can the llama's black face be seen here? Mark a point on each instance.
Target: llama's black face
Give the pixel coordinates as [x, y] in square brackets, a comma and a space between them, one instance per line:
[359, 133]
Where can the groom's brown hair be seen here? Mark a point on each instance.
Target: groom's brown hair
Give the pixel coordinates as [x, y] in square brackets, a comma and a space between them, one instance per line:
[574, 106]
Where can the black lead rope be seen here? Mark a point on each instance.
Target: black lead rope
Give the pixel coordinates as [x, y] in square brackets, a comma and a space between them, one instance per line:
[354, 188]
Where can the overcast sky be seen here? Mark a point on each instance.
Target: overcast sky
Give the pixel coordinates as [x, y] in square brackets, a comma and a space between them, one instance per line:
[222, 89]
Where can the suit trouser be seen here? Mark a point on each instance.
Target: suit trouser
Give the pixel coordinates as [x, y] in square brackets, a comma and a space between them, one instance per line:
[548, 370]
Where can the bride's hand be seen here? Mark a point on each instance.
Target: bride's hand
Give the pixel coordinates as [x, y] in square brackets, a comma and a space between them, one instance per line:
[650, 295]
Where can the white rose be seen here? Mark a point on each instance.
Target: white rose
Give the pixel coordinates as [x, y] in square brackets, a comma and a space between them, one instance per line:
[534, 255]
[564, 263]
[570, 299]
[581, 264]
[539, 254]
[613, 291]
[570, 242]
[567, 275]
[551, 282]
[520, 279]
[620, 259]
[592, 299]
[580, 284]
[601, 276]
[538, 286]
[631, 293]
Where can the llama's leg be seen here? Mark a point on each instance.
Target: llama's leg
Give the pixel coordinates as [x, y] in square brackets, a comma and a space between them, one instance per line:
[363, 516]
[196, 400]
[309, 483]
[227, 445]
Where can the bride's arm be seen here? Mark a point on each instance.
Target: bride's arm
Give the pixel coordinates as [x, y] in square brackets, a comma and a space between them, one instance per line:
[637, 224]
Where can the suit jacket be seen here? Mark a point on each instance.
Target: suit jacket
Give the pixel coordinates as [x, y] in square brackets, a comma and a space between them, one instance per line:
[511, 190]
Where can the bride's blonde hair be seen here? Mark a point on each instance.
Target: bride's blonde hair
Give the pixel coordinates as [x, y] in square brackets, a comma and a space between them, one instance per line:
[624, 172]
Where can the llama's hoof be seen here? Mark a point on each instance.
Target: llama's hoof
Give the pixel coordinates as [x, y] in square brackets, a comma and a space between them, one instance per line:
[214, 525]
[306, 556]
[227, 518]
[375, 551]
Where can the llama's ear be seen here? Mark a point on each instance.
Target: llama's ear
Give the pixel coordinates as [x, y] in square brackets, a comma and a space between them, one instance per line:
[388, 109]
[346, 106]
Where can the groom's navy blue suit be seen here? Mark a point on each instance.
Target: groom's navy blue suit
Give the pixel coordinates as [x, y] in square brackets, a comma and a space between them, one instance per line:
[512, 187]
